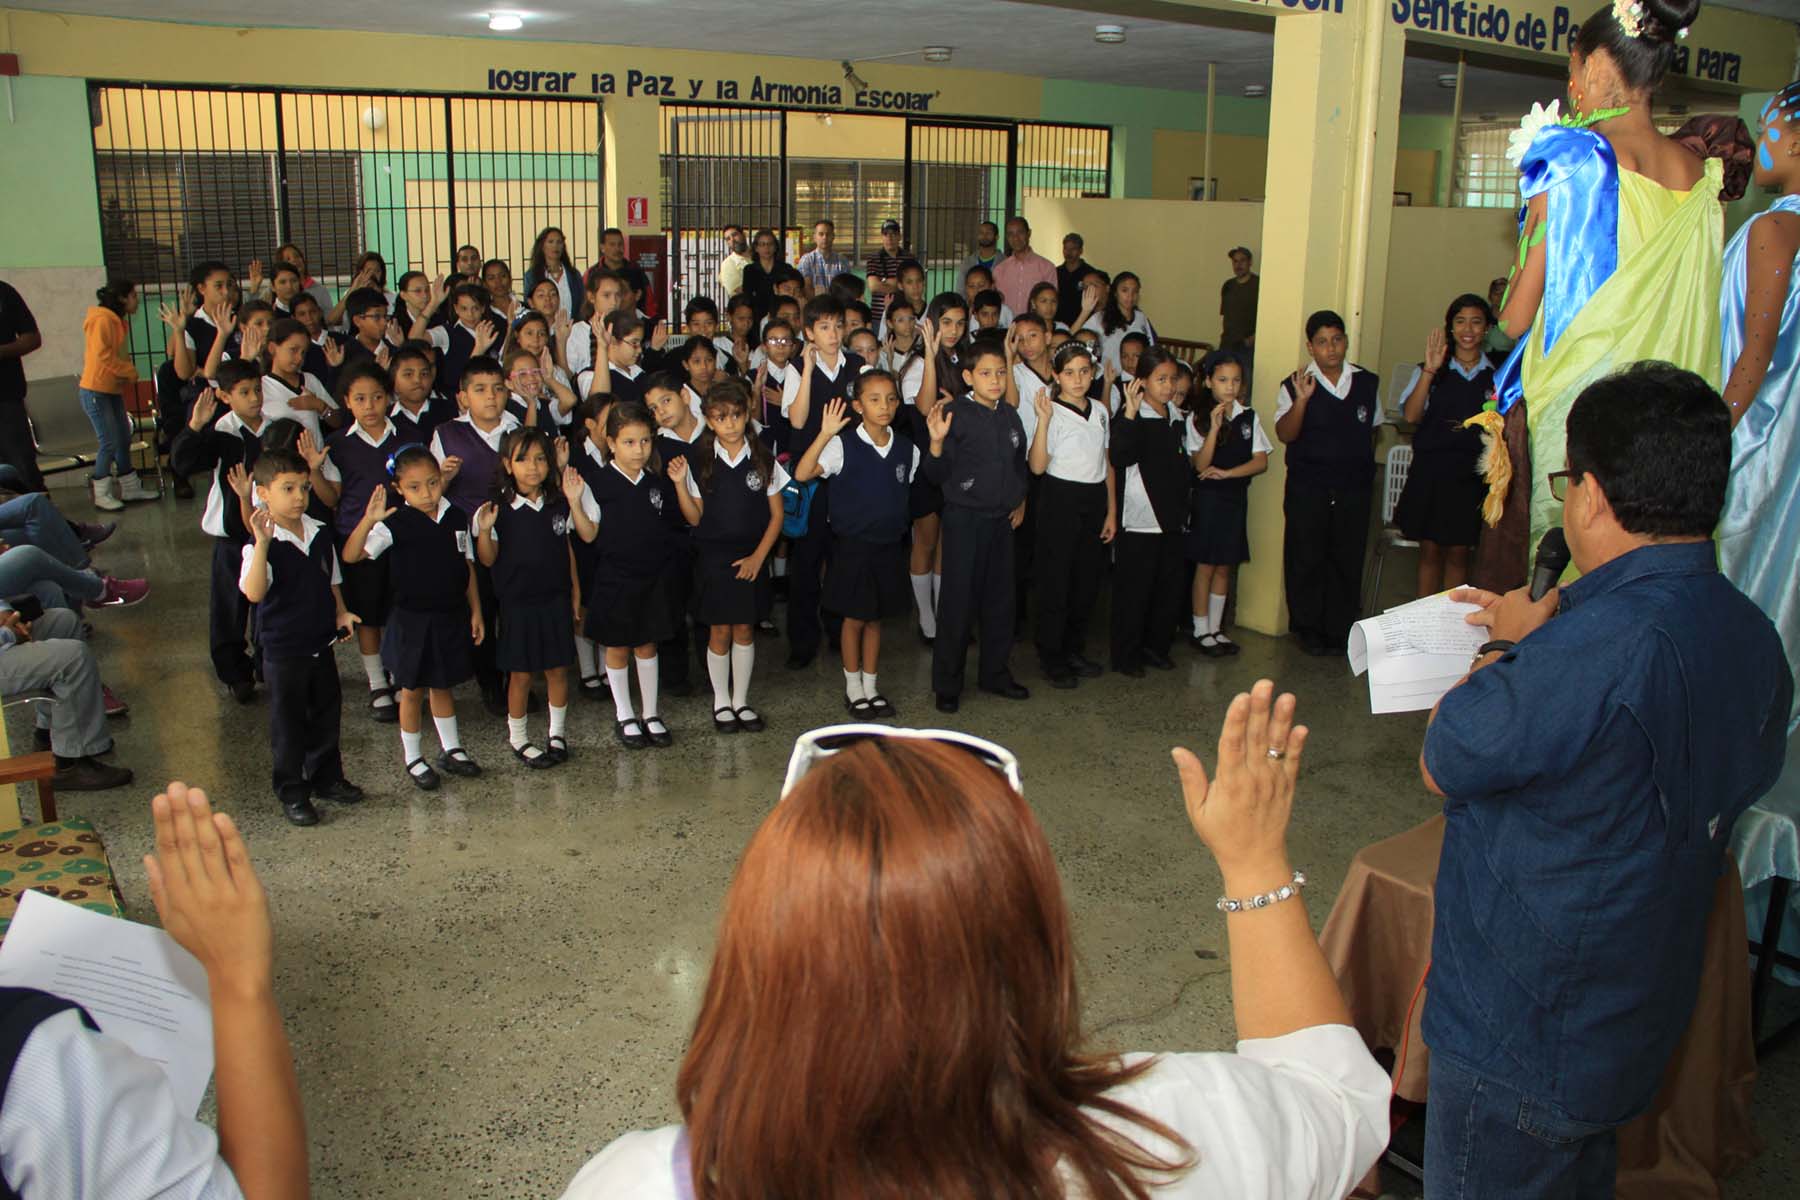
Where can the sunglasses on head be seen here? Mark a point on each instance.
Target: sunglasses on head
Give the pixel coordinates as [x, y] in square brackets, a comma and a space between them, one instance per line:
[812, 749]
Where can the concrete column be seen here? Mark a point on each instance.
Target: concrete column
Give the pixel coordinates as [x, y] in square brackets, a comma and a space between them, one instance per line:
[1333, 128]
[633, 160]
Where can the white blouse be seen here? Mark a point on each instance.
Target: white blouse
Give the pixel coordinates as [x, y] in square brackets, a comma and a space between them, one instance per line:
[1299, 1117]
[1077, 443]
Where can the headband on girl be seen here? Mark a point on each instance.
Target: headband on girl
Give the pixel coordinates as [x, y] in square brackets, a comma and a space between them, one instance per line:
[402, 448]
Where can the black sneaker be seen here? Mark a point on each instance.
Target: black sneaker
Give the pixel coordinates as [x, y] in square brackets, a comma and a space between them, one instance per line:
[243, 691]
[300, 812]
[88, 774]
[339, 791]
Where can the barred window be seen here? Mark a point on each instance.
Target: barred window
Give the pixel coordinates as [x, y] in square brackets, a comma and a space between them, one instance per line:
[1485, 177]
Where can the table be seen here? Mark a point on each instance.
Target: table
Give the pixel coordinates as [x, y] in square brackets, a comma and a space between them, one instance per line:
[1698, 1130]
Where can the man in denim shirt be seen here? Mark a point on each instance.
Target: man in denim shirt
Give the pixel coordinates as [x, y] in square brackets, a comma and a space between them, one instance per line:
[1591, 775]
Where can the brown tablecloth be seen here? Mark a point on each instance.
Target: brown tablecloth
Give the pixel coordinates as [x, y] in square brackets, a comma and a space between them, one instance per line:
[1698, 1130]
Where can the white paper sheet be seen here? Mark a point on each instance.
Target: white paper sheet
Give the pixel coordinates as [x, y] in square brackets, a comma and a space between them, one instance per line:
[1414, 653]
[137, 984]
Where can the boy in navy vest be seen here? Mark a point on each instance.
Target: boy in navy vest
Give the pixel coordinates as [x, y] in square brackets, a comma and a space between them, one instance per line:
[1327, 416]
[227, 446]
[472, 336]
[291, 573]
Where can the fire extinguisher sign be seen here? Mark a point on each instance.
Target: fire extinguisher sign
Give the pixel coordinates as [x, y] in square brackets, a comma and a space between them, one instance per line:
[637, 211]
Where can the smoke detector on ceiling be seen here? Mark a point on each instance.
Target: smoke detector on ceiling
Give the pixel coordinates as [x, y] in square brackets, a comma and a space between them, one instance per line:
[1109, 34]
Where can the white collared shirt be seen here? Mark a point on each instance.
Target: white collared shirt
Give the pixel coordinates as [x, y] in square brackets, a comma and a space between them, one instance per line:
[212, 518]
[1340, 389]
[778, 478]
[330, 470]
[381, 538]
[665, 431]
[1300, 1116]
[1196, 431]
[790, 386]
[1455, 364]
[589, 506]
[1109, 342]
[204, 316]
[309, 530]
[1136, 515]
[492, 437]
[1028, 383]
[278, 400]
[1077, 442]
[831, 458]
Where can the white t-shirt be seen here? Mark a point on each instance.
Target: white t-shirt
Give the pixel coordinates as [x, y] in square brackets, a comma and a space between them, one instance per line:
[1028, 384]
[1299, 1117]
[1109, 342]
[1077, 443]
[278, 400]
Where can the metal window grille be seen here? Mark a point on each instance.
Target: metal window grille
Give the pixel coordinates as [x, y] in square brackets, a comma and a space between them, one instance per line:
[1064, 160]
[1485, 177]
[719, 166]
[187, 174]
[959, 174]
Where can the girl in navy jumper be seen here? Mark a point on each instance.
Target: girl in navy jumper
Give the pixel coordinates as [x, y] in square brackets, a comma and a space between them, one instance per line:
[629, 609]
[871, 472]
[1229, 449]
[585, 450]
[436, 616]
[353, 465]
[523, 538]
[730, 492]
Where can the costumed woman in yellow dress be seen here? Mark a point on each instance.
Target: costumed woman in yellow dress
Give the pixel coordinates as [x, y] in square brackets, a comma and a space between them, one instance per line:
[1620, 247]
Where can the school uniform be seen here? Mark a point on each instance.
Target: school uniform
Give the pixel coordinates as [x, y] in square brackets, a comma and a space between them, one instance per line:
[1110, 342]
[776, 434]
[1443, 495]
[871, 491]
[1071, 558]
[1330, 477]
[734, 519]
[296, 626]
[629, 598]
[627, 383]
[278, 402]
[314, 362]
[676, 669]
[426, 641]
[473, 487]
[1027, 382]
[807, 553]
[533, 583]
[417, 428]
[357, 462]
[1219, 509]
[455, 344]
[1150, 465]
[927, 499]
[222, 445]
[981, 472]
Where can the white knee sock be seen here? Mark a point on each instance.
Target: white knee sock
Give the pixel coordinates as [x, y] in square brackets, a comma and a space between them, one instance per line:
[412, 745]
[922, 589]
[619, 678]
[1215, 612]
[1202, 624]
[646, 673]
[743, 661]
[853, 686]
[516, 732]
[870, 688]
[780, 568]
[584, 658]
[718, 669]
[375, 671]
[559, 720]
[446, 731]
[937, 588]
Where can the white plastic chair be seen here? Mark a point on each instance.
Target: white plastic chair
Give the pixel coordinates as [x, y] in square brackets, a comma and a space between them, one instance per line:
[1393, 482]
[1395, 400]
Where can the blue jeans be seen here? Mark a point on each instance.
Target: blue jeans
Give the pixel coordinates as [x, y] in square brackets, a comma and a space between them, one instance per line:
[32, 520]
[106, 412]
[1484, 1138]
[29, 569]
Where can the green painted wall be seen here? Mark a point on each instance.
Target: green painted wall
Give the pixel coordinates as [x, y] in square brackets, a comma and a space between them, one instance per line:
[47, 175]
[1431, 133]
[1137, 113]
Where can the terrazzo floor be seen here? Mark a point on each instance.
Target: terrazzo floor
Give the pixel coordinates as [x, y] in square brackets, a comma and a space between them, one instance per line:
[486, 984]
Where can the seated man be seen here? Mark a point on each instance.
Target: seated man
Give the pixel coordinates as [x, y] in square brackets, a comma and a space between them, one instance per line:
[32, 519]
[49, 655]
[29, 569]
[1592, 763]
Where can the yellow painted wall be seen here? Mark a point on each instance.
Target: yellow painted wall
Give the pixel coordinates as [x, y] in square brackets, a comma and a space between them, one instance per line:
[1416, 171]
[1437, 254]
[1239, 164]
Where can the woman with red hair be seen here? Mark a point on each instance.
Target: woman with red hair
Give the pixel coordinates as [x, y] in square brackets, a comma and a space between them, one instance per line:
[892, 1010]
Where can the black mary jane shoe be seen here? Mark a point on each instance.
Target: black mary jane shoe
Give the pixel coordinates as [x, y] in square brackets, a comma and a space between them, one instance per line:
[630, 734]
[457, 761]
[859, 708]
[538, 761]
[881, 707]
[657, 730]
[556, 748]
[594, 688]
[383, 707]
[725, 720]
[748, 721]
[422, 776]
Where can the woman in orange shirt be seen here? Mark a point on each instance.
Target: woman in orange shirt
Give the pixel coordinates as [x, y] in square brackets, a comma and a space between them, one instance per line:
[106, 371]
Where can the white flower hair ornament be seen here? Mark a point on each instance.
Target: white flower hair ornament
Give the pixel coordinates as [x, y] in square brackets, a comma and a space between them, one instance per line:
[1520, 139]
[1630, 16]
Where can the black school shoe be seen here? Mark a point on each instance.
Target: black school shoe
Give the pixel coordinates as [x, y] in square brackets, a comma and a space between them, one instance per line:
[385, 714]
[630, 734]
[1084, 667]
[243, 691]
[457, 761]
[1159, 660]
[1129, 670]
[1012, 689]
[339, 791]
[300, 812]
[87, 774]
[594, 688]
[947, 704]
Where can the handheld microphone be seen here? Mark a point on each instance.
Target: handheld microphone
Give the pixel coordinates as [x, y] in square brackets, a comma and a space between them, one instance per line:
[1552, 561]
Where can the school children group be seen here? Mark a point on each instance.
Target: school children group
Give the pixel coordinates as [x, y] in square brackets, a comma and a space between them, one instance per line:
[494, 490]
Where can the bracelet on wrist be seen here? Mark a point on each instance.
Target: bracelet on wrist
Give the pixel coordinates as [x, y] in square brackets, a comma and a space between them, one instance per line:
[1497, 646]
[1286, 891]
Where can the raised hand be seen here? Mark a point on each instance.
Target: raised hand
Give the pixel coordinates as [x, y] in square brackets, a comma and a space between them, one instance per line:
[808, 357]
[561, 325]
[835, 419]
[762, 380]
[485, 516]
[485, 337]
[377, 508]
[1112, 375]
[676, 469]
[262, 525]
[206, 406]
[334, 351]
[395, 333]
[928, 331]
[1134, 398]
[440, 287]
[239, 480]
[171, 316]
[937, 422]
[561, 446]
[571, 484]
[547, 365]
[255, 272]
[1242, 812]
[220, 312]
[206, 892]
[659, 335]
[740, 353]
[382, 355]
[309, 450]
[448, 468]
[1040, 403]
[250, 346]
[1302, 383]
[1437, 349]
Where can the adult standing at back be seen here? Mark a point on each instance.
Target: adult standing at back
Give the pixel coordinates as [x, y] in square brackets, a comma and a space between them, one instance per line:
[1237, 310]
[1022, 269]
[19, 336]
[737, 257]
[550, 262]
[1069, 275]
[883, 270]
[1592, 763]
[760, 271]
[987, 252]
[823, 263]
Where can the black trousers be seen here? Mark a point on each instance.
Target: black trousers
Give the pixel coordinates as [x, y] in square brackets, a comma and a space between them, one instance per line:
[228, 616]
[17, 447]
[1025, 554]
[1148, 574]
[488, 675]
[1322, 554]
[806, 583]
[1070, 560]
[977, 592]
[305, 708]
[677, 667]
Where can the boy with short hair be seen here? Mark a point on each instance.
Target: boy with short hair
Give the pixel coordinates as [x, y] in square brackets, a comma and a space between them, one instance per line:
[857, 316]
[977, 456]
[417, 410]
[367, 311]
[701, 317]
[1327, 416]
[290, 572]
[985, 308]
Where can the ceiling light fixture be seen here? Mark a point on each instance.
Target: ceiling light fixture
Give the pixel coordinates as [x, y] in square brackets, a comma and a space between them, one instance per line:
[1111, 35]
[505, 22]
[937, 54]
[1254, 90]
[1447, 80]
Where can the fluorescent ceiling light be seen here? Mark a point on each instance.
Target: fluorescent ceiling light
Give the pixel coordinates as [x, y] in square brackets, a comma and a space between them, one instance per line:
[505, 22]
[1110, 34]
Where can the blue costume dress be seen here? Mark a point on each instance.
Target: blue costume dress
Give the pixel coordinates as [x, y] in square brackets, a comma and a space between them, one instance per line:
[1759, 534]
